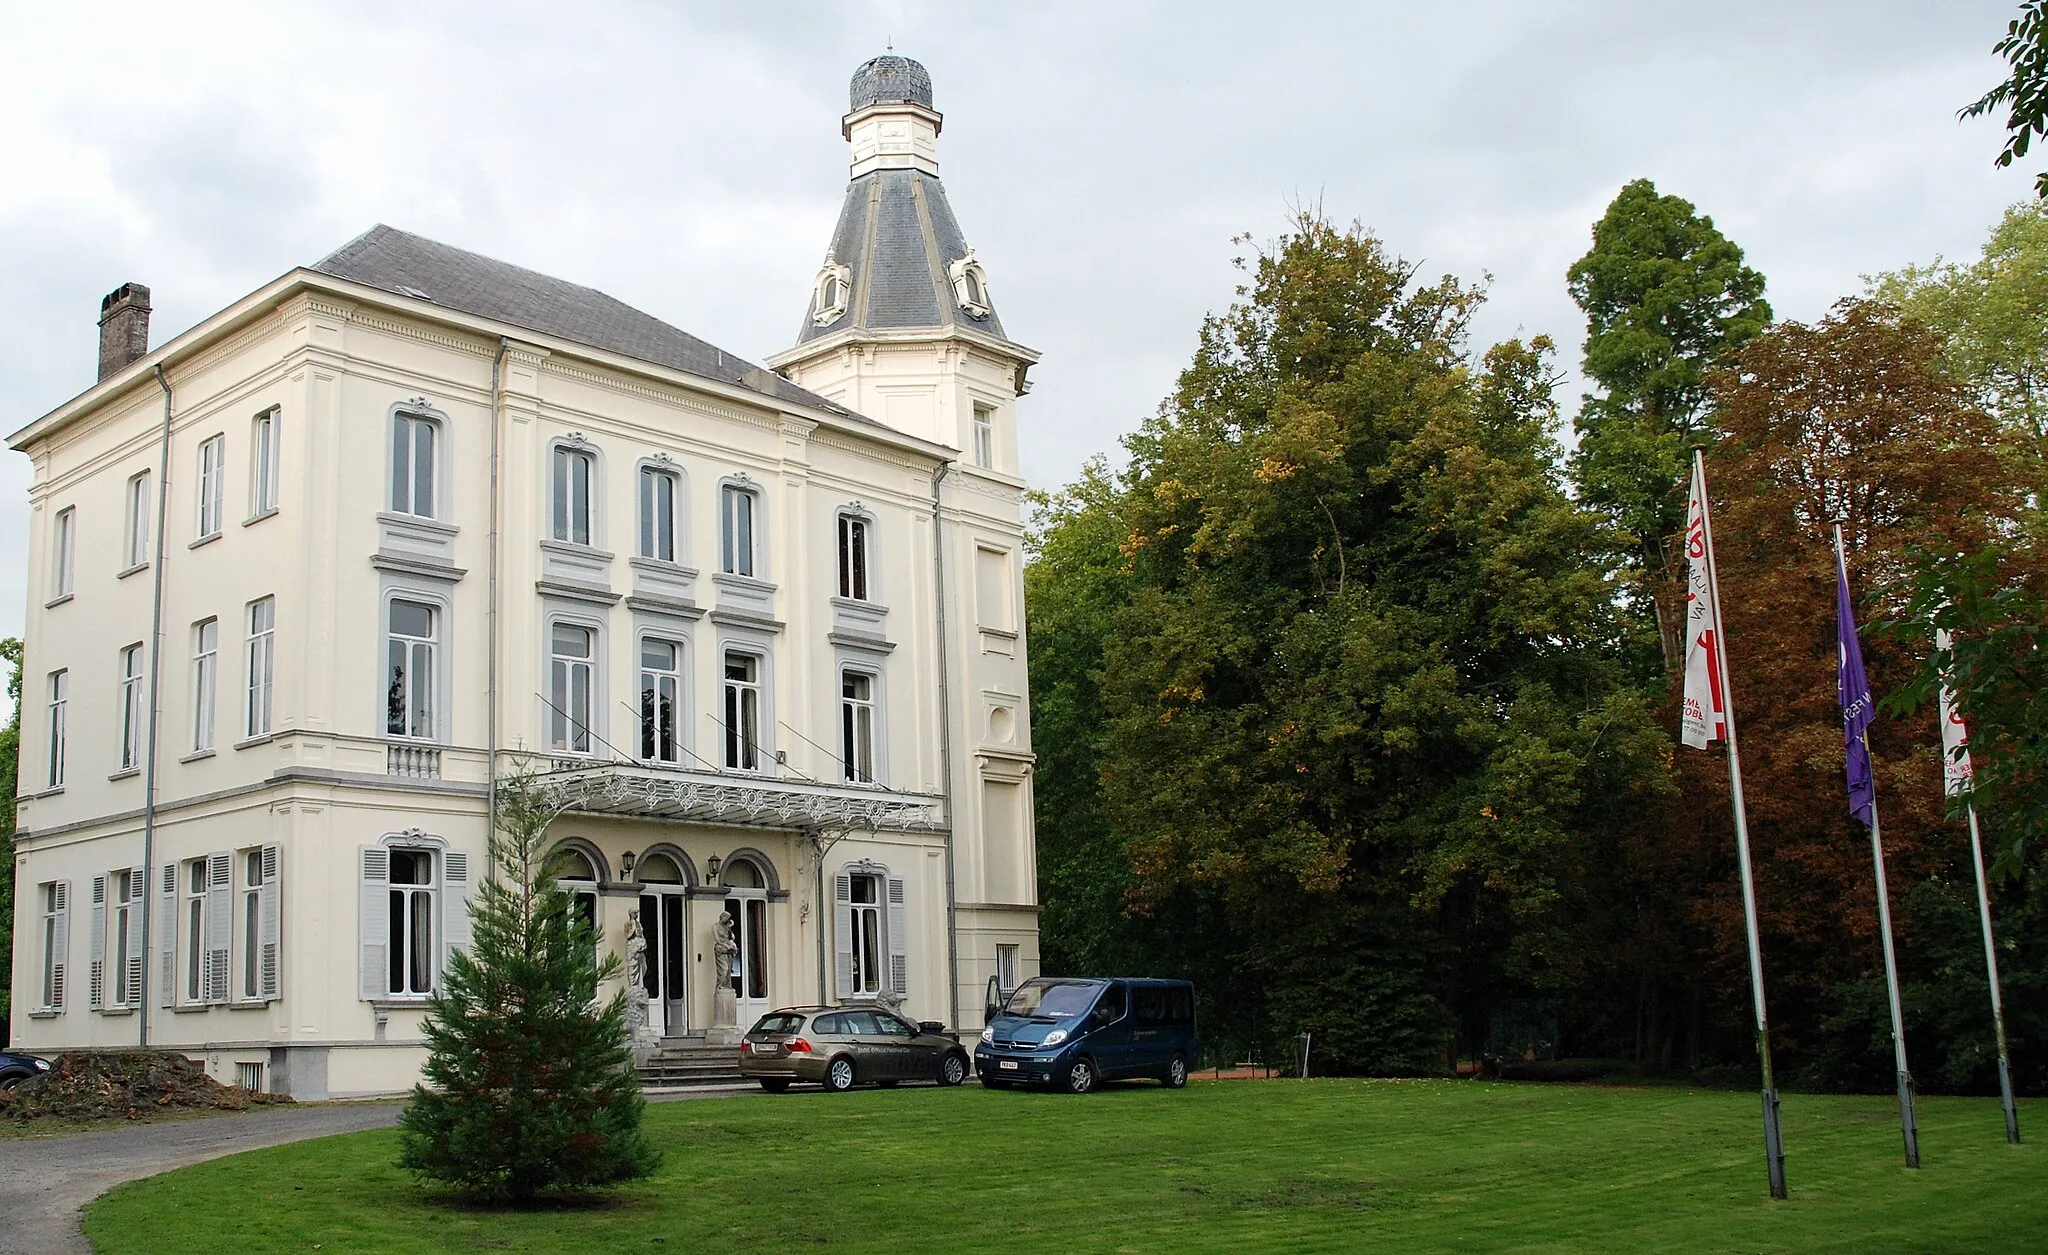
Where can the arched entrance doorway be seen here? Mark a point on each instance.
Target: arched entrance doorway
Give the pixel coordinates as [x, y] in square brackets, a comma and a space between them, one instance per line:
[578, 874]
[746, 900]
[664, 921]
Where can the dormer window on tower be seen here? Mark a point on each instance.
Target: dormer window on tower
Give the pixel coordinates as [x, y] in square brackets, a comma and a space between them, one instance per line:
[830, 294]
[970, 286]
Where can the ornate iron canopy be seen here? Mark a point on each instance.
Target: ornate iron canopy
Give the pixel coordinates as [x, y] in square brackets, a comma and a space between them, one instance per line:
[746, 801]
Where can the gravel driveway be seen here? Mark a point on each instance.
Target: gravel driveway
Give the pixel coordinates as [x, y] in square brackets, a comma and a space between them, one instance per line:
[45, 1181]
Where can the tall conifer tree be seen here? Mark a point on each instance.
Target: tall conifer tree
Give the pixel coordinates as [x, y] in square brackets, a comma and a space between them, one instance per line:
[529, 1082]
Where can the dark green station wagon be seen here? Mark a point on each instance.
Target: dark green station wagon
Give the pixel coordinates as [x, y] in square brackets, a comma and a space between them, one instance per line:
[841, 1047]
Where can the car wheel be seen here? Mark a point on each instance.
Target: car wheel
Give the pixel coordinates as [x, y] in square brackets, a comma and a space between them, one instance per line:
[774, 1087]
[952, 1070]
[1080, 1076]
[12, 1079]
[1176, 1073]
[839, 1077]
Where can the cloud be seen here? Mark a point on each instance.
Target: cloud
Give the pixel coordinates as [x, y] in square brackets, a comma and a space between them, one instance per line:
[687, 158]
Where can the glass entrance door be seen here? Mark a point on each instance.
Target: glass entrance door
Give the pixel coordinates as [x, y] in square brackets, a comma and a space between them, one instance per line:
[662, 922]
[665, 926]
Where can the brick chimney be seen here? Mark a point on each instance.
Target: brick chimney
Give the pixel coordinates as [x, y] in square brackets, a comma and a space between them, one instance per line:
[124, 327]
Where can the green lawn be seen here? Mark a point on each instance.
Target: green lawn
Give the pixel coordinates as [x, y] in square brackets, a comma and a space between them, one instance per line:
[1220, 1166]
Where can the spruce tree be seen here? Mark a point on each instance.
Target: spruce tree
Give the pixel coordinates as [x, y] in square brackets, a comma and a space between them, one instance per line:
[529, 1082]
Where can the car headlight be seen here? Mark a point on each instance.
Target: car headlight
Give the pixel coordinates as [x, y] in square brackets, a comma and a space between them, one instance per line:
[1055, 1037]
[988, 1035]
[42, 1065]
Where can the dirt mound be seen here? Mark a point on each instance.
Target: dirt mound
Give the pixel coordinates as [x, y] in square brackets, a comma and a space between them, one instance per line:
[129, 1084]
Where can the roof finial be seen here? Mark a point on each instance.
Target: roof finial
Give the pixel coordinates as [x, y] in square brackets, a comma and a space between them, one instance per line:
[889, 43]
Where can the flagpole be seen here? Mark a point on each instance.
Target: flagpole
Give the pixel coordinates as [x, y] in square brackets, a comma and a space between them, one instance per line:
[1774, 1142]
[2012, 1115]
[1884, 923]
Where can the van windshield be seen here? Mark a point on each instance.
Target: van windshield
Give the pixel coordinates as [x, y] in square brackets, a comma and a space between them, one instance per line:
[1057, 999]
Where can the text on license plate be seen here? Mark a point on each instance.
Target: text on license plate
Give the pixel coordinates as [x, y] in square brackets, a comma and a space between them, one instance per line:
[766, 1048]
[1007, 1065]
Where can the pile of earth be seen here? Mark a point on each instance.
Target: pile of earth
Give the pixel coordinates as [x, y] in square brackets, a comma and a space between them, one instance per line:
[128, 1084]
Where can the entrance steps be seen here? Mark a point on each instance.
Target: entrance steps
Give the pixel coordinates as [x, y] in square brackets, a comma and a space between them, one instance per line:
[687, 1063]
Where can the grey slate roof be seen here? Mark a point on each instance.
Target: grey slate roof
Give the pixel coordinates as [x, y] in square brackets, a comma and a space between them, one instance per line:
[899, 238]
[454, 278]
[889, 79]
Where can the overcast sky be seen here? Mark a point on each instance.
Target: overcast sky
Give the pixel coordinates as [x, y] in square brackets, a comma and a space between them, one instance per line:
[687, 159]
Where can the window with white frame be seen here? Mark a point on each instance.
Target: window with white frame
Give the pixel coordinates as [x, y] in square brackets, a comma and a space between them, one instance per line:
[263, 464]
[63, 551]
[205, 671]
[60, 713]
[409, 941]
[575, 472]
[412, 638]
[571, 684]
[137, 549]
[661, 699]
[192, 931]
[262, 659]
[415, 441]
[866, 933]
[985, 436]
[737, 509]
[212, 459]
[124, 939]
[131, 707]
[830, 290]
[857, 725]
[742, 711]
[970, 286]
[853, 557]
[54, 897]
[249, 925]
[658, 495]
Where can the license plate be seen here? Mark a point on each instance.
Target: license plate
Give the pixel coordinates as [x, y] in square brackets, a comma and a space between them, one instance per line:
[766, 1048]
[1007, 1065]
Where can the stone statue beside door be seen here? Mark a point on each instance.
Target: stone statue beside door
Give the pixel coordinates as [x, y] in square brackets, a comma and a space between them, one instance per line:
[725, 1013]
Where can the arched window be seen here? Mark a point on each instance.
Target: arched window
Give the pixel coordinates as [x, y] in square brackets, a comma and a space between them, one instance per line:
[579, 876]
[829, 293]
[970, 286]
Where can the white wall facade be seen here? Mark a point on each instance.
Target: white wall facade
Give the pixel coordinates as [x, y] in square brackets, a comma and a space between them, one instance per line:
[325, 781]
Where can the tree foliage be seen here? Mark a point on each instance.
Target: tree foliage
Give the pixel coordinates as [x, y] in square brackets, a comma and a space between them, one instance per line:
[2024, 94]
[1993, 316]
[1354, 693]
[1850, 420]
[1665, 295]
[529, 1081]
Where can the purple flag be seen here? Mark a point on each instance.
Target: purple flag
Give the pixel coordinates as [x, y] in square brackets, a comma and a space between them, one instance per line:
[1854, 691]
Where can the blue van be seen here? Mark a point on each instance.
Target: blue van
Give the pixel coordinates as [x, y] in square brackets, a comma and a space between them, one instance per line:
[1073, 1033]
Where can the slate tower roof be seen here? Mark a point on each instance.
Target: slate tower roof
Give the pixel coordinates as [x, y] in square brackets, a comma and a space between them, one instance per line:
[897, 236]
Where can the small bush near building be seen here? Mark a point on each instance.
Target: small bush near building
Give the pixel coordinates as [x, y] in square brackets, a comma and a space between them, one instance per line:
[529, 1083]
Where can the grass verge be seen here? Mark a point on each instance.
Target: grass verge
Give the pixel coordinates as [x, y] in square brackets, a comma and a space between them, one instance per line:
[1230, 1166]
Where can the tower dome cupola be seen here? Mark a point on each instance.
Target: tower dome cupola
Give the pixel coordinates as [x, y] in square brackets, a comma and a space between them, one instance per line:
[891, 80]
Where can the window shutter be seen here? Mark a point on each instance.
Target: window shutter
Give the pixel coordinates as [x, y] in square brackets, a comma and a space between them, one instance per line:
[167, 939]
[139, 878]
[96, 992]
[61, 943]
[376, 921]
[220, 920]
[842, 930]
[269, 912]
[455, 930]
[899, 940]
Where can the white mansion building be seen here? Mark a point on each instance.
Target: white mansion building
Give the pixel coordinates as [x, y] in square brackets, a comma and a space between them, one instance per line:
[308, 578]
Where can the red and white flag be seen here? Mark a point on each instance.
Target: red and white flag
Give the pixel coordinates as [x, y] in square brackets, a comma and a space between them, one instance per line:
[1705, 718]
[1956, 773]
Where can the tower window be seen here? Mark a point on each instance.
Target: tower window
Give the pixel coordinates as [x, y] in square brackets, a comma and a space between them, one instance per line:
[829, 295]
[970, 286]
